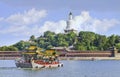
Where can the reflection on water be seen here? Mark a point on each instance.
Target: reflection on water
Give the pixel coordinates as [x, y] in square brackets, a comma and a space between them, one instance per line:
[70, 69]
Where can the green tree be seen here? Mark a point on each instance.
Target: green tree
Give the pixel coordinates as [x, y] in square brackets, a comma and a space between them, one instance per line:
[100, 42]
[84, 41]
[71, 38]
[111, 40]
[117, 39]
[48, 34]
[32, 38]
[8, 48]
[79, 46]
[118, 46]
[87, 38]
[22, 45]
[60, 40]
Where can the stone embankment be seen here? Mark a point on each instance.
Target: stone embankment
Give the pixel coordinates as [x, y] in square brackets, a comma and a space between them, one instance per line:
[89, 58]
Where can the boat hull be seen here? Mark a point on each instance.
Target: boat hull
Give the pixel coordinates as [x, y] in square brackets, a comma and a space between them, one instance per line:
[36, 65]
[23, 65]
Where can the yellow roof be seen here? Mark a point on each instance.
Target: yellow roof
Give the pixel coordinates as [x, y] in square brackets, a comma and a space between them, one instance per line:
[32, 47]
[29, 53]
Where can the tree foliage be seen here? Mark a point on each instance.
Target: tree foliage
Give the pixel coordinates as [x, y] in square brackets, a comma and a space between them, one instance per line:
[8, 48]
[85, 40]
[22, 45]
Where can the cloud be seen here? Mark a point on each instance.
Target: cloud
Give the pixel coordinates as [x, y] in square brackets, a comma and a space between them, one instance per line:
[85, 22]
[28, 17]
[57, 27]
[28, 23]
[1, 18]
[82, 22]
[22, 23]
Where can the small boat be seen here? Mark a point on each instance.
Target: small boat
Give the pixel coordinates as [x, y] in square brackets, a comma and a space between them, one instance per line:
[95, 59]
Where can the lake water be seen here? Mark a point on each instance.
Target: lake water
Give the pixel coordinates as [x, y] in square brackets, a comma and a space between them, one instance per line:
[70, 69]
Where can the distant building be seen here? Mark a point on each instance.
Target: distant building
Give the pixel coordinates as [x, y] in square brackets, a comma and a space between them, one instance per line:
[60, 49]
[69, 27]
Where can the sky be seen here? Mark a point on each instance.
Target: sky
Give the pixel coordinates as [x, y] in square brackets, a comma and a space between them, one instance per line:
[19, 19]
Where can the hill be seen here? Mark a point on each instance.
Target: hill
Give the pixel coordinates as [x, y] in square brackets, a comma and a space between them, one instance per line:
[85, 40]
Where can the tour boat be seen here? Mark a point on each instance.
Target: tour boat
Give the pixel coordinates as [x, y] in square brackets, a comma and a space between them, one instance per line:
[37, 64]
[36, 58]
[46, 62]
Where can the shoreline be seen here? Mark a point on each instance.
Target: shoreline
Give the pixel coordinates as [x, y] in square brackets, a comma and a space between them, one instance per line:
[89, 58]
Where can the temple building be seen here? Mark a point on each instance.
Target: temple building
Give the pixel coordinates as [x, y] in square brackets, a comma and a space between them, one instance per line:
[70, 25]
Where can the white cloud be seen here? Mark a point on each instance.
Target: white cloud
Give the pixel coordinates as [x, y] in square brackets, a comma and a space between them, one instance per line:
[28, 17]
[53, 26]
[104, 25]
[1, 18]
[21, 23]
[28, 23]
[82, 22]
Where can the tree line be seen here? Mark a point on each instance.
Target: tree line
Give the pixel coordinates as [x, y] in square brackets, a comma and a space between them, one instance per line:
[84, 40]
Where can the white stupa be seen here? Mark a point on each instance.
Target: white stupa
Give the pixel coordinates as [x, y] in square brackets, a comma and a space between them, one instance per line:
[69, 27]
